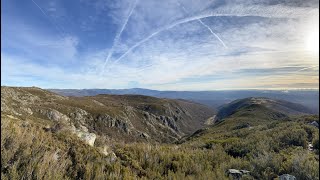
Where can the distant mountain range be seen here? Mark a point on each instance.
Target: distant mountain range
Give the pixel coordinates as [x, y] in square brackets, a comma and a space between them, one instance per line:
[215, 99]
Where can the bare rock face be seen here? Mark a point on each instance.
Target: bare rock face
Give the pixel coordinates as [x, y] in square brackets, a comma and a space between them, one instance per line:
[109, 121]
[169, 121]
[79, 115]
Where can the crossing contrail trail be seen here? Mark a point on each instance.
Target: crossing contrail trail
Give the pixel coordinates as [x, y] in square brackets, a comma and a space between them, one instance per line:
[212, 32]
[61, 33]
[117, 37]
[205, 25]
[275, 11]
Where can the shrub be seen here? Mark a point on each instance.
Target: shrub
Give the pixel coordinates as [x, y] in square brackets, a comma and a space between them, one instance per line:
[241, 126]
[294, 137]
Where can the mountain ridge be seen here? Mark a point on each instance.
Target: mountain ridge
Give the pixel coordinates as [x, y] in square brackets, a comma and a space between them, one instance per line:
[131, 117]
[215, 99]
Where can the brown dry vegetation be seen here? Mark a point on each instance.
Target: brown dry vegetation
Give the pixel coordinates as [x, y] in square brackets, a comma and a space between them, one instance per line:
[29, 152]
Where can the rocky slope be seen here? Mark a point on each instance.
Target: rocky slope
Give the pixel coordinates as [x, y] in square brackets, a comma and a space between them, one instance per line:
[118, 117]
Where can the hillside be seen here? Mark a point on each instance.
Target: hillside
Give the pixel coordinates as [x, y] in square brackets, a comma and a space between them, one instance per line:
[269, 141]
[119, 117]
[279, 108]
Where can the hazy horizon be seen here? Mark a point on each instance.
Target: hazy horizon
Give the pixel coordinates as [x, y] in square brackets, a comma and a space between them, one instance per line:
[253, 89]
[179, 45]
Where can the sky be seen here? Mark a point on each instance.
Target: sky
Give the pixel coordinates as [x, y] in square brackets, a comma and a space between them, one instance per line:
[164, 45]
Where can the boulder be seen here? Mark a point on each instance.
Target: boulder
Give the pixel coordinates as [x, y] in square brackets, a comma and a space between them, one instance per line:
[236, 174]
[314, 123]
[89, 138]
[169, 122]
[287, 177]
[310, 146]
[244, 172]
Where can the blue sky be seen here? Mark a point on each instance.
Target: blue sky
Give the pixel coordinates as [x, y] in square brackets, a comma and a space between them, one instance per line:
[166, 45]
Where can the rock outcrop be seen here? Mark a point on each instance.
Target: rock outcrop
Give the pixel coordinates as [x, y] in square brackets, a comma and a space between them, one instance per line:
[54, 115]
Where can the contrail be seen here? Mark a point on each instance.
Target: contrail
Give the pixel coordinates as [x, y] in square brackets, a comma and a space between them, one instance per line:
[262, 11]
[163, 29]
[61, 33]
[117, 37]
[205, 25]
[212, 32]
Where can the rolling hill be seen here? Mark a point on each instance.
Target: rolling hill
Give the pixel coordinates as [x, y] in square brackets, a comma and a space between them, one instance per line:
[280, 108]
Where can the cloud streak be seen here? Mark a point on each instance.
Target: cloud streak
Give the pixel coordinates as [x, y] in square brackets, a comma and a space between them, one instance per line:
[205, 25]
[118, 35]
[261, 11]
[60, 31]
[224, 45]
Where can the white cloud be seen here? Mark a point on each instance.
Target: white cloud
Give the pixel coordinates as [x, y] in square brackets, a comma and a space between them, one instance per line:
[163, 47]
